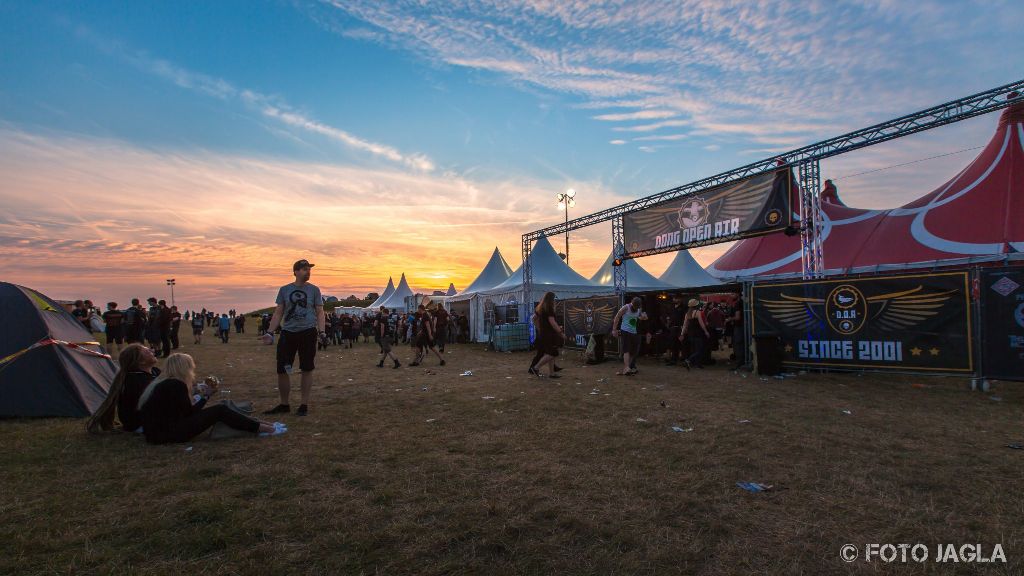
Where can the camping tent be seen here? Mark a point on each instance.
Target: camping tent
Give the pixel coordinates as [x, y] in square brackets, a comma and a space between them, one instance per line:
[384, 296]
[494, 272]
[49, 363]
[396, 301]
[974, 217]
[685, 272]
[637, 279]
[549, 273]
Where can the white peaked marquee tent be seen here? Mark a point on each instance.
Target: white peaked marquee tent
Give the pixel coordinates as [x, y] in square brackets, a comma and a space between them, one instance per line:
[396, 301]
[636, 277]
[384, 296]
[495, 272]
[685, 272]
[550, 274]
[451, 289]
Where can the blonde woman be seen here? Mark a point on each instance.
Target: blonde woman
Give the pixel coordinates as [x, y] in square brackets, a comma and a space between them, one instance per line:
[171, 413]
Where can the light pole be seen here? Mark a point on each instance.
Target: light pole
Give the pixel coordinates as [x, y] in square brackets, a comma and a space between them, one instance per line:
[567, 200]
[170, 282]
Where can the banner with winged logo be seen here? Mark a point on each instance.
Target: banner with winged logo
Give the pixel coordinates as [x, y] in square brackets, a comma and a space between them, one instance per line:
[913, 322]
[750, 207]
[586, 316]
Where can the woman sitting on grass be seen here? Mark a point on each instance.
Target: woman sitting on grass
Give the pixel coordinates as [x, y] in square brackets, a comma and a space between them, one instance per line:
[171, 413]
[137, 369]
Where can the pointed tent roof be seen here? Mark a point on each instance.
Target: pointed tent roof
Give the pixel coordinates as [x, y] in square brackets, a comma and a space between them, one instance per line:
[451, 290]
[548, 269]
[387, 294]
[972, 217]
[397, 298]
[636, 276]
[495, 272]
[53, 378]
[685, 272]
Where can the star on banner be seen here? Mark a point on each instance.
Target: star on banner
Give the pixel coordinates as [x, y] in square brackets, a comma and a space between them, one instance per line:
[934, 351]
[915, 351]
[788, 348]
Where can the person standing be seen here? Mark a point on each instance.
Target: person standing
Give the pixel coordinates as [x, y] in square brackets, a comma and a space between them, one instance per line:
[676, 318]
[346, 330]
[441, 317]
[300, 315]
[81, 314]
[197, 329]
[386, 337]
[164, 321]
[739, 339]
[626, 327]
[114, 319]
[424, 340]
[696, 328]
[175, 328]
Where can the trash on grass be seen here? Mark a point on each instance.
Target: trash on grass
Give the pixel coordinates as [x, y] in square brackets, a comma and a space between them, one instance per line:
[488, 397]
[680, 429]
[754, 486]
[744, 421]
[467, 373]
[1016, 446]
[641, 420]
[847, 412]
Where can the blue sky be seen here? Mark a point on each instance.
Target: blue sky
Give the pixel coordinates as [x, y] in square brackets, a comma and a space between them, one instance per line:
[186, 138]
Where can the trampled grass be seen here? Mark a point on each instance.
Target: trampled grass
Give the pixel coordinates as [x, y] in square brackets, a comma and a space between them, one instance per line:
[413, 471]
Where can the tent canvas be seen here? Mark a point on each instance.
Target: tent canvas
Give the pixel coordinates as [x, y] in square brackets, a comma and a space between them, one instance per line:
[685, 272]
[636, 277]
[493, 273]
[51, 379]
[385, 295]
[396, 301]
[974, 217]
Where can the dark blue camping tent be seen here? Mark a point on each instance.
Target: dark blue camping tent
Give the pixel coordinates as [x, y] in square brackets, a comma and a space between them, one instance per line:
[47, 365]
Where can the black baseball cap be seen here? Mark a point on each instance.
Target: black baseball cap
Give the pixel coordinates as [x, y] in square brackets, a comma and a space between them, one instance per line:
[302, 264]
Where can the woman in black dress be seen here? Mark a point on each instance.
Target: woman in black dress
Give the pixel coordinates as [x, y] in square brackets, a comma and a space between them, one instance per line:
[549, 335]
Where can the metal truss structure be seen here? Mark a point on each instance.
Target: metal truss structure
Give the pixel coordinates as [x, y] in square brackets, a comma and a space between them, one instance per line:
[806, 161]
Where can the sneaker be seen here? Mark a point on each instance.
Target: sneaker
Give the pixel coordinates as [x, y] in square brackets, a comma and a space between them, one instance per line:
[302, 411]
[686, 364]
[279, 409]
[397, 364]
[380, 364]
[414, 364]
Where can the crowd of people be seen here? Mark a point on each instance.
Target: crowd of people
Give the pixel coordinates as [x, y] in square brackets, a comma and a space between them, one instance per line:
[171, 405]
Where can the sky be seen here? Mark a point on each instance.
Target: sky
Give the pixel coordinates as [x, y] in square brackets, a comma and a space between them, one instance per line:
[216, 143]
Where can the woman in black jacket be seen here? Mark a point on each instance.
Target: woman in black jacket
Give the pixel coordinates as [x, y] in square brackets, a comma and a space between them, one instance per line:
[137, 369]
[173, 407]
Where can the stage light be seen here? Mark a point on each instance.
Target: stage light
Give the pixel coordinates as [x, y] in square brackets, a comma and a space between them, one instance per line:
[617, 262]
[561, 205]
[570, 193]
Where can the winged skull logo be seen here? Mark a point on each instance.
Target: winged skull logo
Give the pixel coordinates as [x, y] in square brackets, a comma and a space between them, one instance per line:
[594, 319]
[847, 310]
[738, 200]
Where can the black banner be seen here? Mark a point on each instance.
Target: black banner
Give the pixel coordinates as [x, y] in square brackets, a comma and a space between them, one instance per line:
[751, 207]
[1002, 327]
[585, 316]
[914, 322]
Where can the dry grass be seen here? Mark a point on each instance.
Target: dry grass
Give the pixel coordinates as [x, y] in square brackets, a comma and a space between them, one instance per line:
[412, 471]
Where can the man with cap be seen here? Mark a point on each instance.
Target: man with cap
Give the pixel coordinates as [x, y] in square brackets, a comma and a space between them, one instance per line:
[300, 316]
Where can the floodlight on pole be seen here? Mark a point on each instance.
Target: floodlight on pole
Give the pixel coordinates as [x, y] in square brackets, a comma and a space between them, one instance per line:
[566, 200]
[171, 283]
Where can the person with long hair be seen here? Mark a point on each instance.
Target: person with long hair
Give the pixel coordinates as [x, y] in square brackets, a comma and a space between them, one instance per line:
[173, 406]
[137, 369]
[696, 328]
[549, 335]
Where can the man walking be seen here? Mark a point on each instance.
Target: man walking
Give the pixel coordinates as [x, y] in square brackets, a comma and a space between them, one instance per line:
[175, 327]
[440, 327]
[197, 328]
[386, 335]
[300, 315]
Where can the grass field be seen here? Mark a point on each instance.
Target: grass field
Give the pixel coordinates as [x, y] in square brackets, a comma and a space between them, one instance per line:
[421, 471]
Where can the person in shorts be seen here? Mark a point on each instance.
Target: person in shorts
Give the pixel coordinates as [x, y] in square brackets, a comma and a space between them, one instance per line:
[386, 337]
[114, 319]
[625, 327]
[300, 316]
[441, 318]
[424, 337]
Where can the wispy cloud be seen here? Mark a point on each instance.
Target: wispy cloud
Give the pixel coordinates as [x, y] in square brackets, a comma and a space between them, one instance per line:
[786, 66]
[273, 108]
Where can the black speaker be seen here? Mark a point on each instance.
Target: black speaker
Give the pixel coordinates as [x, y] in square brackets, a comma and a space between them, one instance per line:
[768, 348]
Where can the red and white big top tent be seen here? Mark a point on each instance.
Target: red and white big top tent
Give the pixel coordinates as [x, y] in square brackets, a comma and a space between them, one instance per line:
[977, 216]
